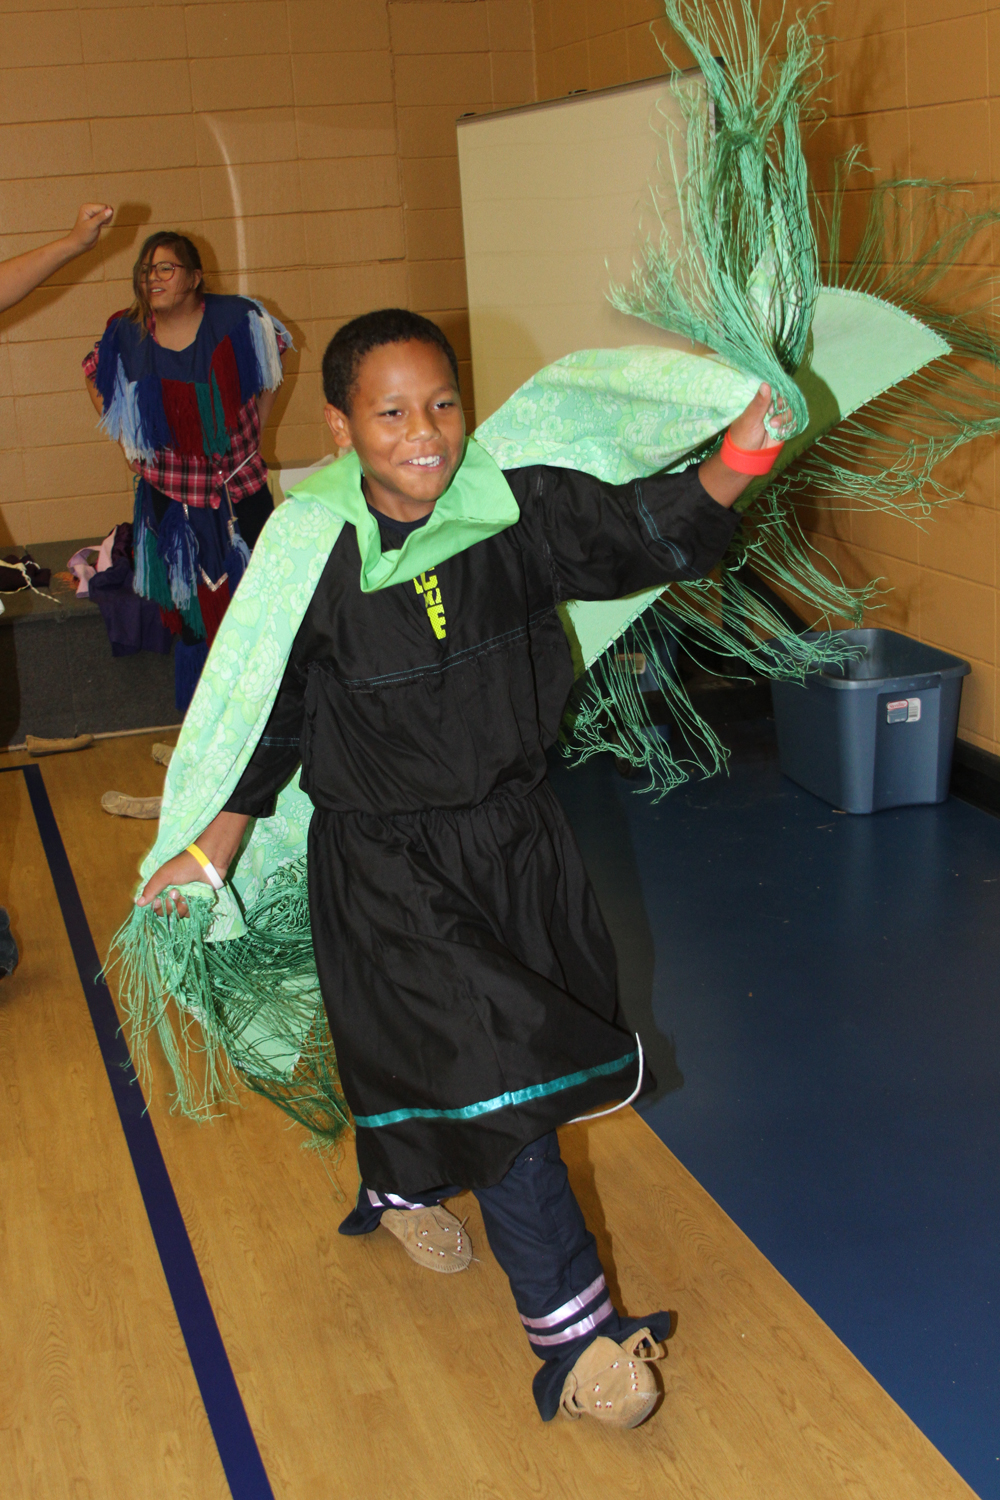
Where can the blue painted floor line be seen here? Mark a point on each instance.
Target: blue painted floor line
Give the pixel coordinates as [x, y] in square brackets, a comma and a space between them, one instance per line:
[223, 1404]
[822, 993]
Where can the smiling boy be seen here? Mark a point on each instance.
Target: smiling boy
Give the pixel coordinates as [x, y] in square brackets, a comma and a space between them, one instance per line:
[466, 970]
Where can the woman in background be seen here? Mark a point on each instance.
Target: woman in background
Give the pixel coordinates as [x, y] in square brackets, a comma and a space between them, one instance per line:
[184, 380]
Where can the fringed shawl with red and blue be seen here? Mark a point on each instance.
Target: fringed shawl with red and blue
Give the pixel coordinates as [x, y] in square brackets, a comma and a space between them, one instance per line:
[188, 399]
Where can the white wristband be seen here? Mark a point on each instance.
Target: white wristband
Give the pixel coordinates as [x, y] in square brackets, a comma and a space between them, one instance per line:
[212, 875]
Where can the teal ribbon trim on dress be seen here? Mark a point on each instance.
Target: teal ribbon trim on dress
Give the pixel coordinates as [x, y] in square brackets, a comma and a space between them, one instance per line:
[502, 1101]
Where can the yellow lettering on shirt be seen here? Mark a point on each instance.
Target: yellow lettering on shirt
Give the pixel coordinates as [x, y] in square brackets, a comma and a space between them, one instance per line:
[435, 613]
[427, 585]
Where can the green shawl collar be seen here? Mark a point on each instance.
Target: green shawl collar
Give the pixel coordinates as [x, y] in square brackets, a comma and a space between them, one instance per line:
[477, 504]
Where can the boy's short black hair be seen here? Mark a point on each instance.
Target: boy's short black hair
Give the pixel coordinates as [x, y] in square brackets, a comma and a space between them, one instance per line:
[350, 344]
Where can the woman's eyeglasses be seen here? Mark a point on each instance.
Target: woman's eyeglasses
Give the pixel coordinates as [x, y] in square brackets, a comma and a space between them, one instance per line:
[163, 270]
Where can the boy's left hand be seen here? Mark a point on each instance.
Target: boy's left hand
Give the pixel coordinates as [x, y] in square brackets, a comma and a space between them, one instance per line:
[749, 432]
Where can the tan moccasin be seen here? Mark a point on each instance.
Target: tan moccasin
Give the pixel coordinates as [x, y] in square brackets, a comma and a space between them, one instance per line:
[122, 806]
[37, 746]
[162, 753]
[432, 1237]
[613, 1382]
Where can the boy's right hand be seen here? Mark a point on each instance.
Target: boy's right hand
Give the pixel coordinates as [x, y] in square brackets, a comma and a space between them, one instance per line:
[181, 870]
[219, 842]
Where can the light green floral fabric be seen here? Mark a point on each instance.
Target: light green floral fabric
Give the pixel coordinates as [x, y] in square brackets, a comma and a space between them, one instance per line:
[624, 413]
[616, 413]
[234, 698]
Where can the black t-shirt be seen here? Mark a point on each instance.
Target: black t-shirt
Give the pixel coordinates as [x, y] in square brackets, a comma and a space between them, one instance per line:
[394, 533]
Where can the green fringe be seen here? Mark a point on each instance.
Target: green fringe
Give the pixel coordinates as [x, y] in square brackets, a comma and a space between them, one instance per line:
[741, 275]
[158, 586]
[884, 457]
[713, 618]
[247, 1010]
[157, 582]
[215, 434]
[744, 182]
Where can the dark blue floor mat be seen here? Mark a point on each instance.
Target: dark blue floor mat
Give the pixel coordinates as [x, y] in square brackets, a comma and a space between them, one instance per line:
[820, 995]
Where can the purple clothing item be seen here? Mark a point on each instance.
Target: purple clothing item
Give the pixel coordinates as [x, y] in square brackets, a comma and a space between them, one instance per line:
[82, 570]
[121, 545]
[116, 545]
[133, 624]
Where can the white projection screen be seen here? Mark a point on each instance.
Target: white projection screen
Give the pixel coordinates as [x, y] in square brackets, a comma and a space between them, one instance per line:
[556, 201]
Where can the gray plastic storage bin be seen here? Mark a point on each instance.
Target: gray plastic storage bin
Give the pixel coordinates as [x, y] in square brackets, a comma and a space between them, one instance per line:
[877, 732]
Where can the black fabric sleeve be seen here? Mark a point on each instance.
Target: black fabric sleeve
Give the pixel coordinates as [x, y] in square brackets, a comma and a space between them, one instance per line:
[277, 752]
[608, 540]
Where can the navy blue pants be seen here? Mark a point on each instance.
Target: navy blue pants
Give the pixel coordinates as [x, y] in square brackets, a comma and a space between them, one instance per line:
[537, 1233]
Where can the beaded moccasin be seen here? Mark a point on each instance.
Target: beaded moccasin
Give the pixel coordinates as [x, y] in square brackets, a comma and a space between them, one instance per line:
[432, 1237]
[613, 1382]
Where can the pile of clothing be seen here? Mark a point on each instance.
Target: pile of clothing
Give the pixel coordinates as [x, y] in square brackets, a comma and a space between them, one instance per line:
[133, 623]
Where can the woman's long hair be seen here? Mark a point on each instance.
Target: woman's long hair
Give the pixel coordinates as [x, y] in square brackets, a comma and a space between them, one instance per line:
[187, 255]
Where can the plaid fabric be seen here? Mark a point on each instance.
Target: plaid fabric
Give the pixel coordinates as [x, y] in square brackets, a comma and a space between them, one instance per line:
[199, 481]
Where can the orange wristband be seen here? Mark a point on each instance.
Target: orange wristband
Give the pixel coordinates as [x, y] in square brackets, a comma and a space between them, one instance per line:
[748, 460]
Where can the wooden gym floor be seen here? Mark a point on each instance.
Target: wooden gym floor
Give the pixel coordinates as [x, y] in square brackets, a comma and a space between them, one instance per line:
[359, 1375]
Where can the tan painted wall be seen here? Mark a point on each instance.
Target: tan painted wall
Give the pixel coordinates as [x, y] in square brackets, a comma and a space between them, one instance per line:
[308, 146]
[918, 82]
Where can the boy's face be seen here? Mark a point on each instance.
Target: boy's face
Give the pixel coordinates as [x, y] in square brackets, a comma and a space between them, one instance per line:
[406, 425]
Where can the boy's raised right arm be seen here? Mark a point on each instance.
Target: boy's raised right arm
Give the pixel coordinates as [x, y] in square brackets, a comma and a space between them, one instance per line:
[606, 541]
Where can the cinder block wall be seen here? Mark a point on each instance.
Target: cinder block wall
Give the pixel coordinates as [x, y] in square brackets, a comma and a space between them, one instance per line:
[308, 146]
[918, 83]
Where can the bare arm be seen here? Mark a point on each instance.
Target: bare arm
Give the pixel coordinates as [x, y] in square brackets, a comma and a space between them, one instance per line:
[266, 400]
[21, 275]
[94, 395]
[218, 843]
[748, 431]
